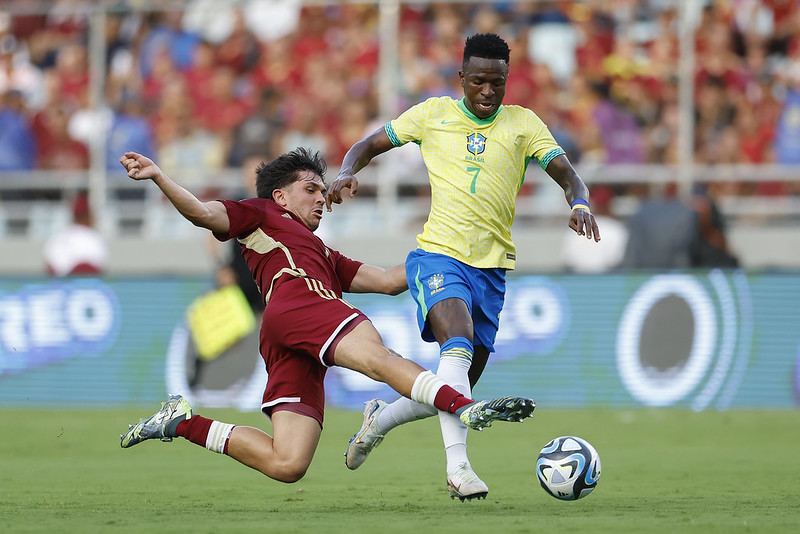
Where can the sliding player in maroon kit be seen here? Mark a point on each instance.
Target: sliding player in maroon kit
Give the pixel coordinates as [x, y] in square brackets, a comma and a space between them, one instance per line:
[306, 327]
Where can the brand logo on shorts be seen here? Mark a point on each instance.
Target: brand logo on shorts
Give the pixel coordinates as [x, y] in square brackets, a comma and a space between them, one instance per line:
[436, 281]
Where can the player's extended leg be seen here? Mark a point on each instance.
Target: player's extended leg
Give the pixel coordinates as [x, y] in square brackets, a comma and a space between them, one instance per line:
[285, 457]
[362, 350]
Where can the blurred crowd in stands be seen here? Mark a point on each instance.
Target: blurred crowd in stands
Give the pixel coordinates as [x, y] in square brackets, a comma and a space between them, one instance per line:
[217, 84]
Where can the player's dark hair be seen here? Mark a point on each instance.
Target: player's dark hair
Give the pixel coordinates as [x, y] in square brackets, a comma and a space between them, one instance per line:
[286, 170]
[486, 45]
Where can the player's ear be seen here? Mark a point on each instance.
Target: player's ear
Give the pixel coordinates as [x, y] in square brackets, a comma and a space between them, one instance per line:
[279, 196]
[461, 77]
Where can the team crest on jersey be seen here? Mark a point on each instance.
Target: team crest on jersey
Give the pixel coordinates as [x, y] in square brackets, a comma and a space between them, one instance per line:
[476, 143]
[435, 281]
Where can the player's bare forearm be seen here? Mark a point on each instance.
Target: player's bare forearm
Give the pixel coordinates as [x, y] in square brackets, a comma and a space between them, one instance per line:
[562, 172]
[581, 220]
[210, 215]
[358, 157]
[362, 152]
[373, 279]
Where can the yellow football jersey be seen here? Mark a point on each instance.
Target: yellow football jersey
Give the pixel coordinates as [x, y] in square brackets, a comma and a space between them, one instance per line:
[476, 167]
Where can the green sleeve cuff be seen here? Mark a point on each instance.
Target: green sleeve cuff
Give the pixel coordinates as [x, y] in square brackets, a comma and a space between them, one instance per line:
[393, 136]
[550, 156]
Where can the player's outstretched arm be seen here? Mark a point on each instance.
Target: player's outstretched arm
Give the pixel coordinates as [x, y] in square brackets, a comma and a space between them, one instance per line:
[581, 220]
[211, 215]
[358, 157]
[372, 279]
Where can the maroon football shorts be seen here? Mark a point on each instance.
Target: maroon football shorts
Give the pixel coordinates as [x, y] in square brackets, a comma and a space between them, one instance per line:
[301, 327]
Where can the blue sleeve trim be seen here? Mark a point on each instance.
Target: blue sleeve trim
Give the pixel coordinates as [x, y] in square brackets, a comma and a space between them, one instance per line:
[392, 136]
[550, 156]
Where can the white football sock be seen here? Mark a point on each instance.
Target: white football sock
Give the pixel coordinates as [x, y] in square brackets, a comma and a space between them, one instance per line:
[454, 371]
[403, 411]
[425, 388]
[218, 436]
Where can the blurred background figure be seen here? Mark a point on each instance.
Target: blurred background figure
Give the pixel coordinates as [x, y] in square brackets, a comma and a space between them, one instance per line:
[17, 142]
[258, 136]
[79, 248]
[668, 233]
[660, 234]
[710, 245]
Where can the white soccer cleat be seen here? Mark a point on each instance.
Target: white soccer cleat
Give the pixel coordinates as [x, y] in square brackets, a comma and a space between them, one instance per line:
[367, 438]
[465, 484]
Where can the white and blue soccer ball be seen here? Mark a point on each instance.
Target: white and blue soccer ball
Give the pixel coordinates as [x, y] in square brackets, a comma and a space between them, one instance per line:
[568, 468]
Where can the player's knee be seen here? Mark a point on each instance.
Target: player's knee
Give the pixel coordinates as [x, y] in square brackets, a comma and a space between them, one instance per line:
[289, 470]
[291, 476]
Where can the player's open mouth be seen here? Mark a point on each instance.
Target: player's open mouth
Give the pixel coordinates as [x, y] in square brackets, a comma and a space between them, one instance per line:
[485, 106]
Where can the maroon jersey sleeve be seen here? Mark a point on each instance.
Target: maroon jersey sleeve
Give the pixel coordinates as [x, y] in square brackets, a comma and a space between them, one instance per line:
[244, 216]
[346, 268]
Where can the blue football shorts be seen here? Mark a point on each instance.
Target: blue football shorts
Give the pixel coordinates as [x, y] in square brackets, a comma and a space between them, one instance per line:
[434, 277]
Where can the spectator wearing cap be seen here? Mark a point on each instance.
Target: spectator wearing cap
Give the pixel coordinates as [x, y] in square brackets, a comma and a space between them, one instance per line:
[78, 249]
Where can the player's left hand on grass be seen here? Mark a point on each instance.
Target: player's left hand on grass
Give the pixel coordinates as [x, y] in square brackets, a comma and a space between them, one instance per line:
[583, 223]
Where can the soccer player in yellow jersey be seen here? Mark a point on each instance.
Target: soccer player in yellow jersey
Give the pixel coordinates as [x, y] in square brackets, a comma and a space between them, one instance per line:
[476, 151]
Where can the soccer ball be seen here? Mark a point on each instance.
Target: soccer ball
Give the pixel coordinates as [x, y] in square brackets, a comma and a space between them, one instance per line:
[568, 468]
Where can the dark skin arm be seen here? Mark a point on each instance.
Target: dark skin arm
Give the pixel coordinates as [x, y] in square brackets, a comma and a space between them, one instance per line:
[581, 221]
[358, 157]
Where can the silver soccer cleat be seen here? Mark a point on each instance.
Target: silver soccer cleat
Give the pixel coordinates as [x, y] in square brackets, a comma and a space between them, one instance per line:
[367, 438]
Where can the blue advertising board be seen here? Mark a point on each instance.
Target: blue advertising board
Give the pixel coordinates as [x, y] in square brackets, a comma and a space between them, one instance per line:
[699, 340]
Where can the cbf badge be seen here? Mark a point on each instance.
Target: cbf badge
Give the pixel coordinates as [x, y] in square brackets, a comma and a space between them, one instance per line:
[435, 283]
[476, 143]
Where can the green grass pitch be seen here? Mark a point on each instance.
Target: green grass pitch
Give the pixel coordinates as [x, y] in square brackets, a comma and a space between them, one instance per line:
[667, 471]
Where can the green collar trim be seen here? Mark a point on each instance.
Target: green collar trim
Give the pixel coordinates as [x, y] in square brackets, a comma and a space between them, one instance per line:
[474, 118]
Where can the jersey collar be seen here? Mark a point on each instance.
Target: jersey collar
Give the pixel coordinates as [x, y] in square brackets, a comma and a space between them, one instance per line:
[474, 118]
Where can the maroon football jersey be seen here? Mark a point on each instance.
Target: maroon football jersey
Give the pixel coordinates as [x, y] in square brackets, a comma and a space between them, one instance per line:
[277, 246]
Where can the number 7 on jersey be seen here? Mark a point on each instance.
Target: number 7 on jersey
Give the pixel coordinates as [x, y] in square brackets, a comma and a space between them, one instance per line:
[476, 171]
